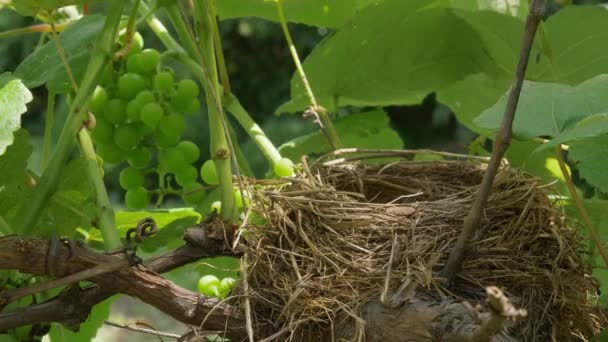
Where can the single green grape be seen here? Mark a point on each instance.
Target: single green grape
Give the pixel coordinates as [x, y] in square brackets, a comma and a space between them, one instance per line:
[137, 42]
[133, 63]
[99, 100]
[116, 111]
[130, 84]
[131, 178]
[187, 89]
[110, 153]
[186, 175]
[133, 110]
[283, 167]
[193, 193]
[151, 113]
[226, 286]
[103, 131]
[163, 81]
[126, 137]
[145, 96]
[165, 141]
[209, 285]
[208, 173]
[190, 150]
[142, 129]
[148, 61]
[171, 160]
[140, 157]
[137, 198]
[172, 125]
[193, 107]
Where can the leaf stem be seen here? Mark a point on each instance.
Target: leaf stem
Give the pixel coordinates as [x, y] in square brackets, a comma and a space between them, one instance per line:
[48, 128]
[219, 52]
[42, 28]
[454, 262]
[253, 129]
[578, 203]
[105, 216]
[61, 52]
[325, 123]
[28, 214]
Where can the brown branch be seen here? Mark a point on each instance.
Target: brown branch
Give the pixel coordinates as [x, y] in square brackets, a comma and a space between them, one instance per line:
[70, 308]
[471, 222]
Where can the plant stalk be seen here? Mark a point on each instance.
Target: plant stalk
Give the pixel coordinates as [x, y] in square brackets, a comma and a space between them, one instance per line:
[48, 128]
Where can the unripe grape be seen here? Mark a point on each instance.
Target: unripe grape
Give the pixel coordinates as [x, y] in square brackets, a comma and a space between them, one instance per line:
[103, 131]
[99, 100]
[133, 63]
[209, 285]
[148, 61]
[126, 137]
[187, 89]
[137, 198]
[137, 42]
[186, 175]
[145, 96]
[142, 129]
[172, 125]
[283, 167]
[193, 193]
[194, 107]
[110, 153]
[140, 157]
[151, 113]
[163, 81]
[171, 160]
[131, 178]
[190, 150]
[130, 84]
[116, 111]
[133, 110]
[165, 141]
[208, 173]
[239, 199]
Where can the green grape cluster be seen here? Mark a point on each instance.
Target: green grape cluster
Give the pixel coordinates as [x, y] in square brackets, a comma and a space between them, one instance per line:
[140, 110]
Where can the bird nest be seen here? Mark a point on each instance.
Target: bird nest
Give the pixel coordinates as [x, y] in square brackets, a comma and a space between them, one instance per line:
[339, 236]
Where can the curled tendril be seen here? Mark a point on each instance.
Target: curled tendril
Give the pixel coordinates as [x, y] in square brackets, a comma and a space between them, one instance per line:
[146, 227]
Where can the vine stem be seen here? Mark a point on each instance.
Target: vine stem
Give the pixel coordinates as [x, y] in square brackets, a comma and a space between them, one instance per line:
[219, 51]
[105, 217]
[455, 260]
[61, 52]
[326, 125]
[48, 128]
[29, 213]
[42, 28]
[578, 203]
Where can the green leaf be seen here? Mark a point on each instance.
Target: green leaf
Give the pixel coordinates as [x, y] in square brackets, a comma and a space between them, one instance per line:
[590, 156]
[516, 8]
[44, 65]
[88, 330]
[32, 7]
[13, 163]
[325, 13]
[171, 224]
[363, 130]
[591, 126]
[574, 50]
[13, 97]
[402, 67]
[548, 109]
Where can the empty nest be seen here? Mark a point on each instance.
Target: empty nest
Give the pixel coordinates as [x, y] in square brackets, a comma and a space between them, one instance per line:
[319, 247]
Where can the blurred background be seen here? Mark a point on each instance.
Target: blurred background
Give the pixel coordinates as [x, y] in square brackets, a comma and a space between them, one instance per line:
[260, 69]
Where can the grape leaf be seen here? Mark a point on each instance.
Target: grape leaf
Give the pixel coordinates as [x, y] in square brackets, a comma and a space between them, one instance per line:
[13, 97]
[326, 13]
[363, 130]
[590, 156]
[548, 109]
[32, 7]
[171, 224]
[516, 8]
[14, 162]
[88, 329]
[400, 68]
[44, 64]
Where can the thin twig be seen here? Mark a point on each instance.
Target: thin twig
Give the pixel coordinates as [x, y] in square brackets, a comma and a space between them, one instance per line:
[471, 222]
[142, 330]
[578, 203]
[61, 53]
